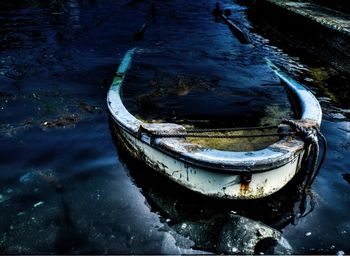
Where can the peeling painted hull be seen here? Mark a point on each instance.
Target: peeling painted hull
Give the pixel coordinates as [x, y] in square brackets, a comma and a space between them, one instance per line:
[208, 182]
[215, 173]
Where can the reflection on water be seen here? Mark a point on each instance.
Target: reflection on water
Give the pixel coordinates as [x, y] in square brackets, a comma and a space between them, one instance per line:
[62, 188]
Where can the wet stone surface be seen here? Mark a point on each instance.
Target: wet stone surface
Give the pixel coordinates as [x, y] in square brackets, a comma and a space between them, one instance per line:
[66, 185]
[244, 236]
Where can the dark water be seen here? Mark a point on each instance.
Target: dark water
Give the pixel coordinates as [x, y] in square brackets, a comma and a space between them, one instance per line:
[188, 62]
[66, 188]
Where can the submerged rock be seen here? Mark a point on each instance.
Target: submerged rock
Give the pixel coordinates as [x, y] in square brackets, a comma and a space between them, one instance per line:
[245, 236]
[203, 233]
[181, 240]
[170, 245]
[199, 233]
[340, 253]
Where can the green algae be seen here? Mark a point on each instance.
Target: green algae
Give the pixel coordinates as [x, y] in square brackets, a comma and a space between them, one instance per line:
[237, 144]
[319, 74]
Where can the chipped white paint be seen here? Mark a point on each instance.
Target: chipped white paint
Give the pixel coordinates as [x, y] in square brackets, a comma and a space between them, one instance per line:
[114, 101]
[209, 171]
[212, 183]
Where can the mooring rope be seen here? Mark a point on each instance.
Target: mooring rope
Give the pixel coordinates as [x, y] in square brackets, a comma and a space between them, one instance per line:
[219, 136]
[232, 129]
[310, 136]
[196, 133]
[324, 153]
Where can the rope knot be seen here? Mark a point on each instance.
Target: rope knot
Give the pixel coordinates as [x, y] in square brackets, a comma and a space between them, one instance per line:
[309, 134]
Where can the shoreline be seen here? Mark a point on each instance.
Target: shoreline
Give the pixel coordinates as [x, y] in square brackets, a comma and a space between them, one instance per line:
[325, 32]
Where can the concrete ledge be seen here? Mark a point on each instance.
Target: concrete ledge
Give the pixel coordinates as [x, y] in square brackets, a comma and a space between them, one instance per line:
[321, 31]
[330, 18]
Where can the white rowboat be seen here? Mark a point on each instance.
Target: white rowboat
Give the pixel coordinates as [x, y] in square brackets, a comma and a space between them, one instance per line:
[212, 172]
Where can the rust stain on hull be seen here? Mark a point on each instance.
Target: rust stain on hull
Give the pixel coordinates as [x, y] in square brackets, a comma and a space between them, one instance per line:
[244, 188]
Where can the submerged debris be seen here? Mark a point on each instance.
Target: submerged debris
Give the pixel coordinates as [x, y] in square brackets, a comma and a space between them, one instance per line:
[61, 121]
[90, 108]
[166, 90]
[180, 85]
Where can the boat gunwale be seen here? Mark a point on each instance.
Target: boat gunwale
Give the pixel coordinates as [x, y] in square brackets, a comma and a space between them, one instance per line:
[213, 167]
